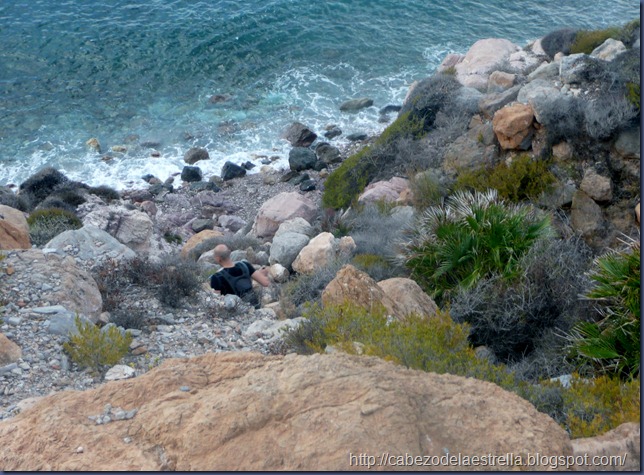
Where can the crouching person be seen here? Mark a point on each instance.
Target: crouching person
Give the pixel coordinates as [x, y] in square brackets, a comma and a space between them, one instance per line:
[235, 277]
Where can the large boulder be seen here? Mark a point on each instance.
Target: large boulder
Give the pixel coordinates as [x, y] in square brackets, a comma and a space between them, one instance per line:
[130, 227]
[355, 105]
[409, 297]
[328, 153]
[388, 191]
[609, 50]
[59, 280]
[541, 95]
[231, 170]
[91, 243]
[195, 154]
[286, 247]
[353, 285]
[513, 126]
[482, 59]
[299, 135]
[279, 209]
[244, 411]
[301, 158]
[321, 251]
[191, 174]
[621, 443]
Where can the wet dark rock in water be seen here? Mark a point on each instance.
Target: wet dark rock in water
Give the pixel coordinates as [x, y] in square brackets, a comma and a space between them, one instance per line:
[389, 109]
[357, 136]
[301, 158]
[355, 105]
[191, 174]
[299, 135]
[333, 132]
[195, 154]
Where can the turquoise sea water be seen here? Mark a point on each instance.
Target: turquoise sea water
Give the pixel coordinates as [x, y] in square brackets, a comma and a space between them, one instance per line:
[128, 72]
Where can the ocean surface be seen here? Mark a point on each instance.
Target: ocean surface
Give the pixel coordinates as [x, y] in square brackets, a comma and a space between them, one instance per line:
[168, 75]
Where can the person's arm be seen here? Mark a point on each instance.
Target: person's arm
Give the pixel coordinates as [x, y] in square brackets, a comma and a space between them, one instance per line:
[261, 277]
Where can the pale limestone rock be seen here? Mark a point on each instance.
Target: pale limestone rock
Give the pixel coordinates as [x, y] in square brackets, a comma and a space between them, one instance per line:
[279, 209]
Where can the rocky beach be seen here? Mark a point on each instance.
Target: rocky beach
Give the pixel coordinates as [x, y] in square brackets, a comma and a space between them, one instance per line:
[198, 360]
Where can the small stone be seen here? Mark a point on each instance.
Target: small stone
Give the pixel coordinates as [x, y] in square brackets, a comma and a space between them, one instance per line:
[185, 389]
[79, 450]
[127, 440]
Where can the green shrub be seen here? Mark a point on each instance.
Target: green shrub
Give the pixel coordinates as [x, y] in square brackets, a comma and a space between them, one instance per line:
[518, 317]
[436, 344]
[426, 190]
[172, 238]
[41, 184]
[523, 179]
[587, 40]
[439, 345]
[471, 236]
[406, 125]
[612, 344]
[345, 183]
[596, 406]
[45, 224]
[633, 94]
[94, 348]
[171, 279]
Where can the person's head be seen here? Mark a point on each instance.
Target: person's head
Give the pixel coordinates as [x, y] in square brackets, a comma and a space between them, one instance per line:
[221, 253]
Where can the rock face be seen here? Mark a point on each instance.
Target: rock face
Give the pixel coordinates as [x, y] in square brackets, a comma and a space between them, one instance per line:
[244, 411]
[61, 281]
[279, 209]
[622, 442]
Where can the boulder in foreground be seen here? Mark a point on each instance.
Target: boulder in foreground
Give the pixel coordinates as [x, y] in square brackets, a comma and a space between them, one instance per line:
[245, 411]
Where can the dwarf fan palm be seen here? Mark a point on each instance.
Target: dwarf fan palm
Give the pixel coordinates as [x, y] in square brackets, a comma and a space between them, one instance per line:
[473, 234]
